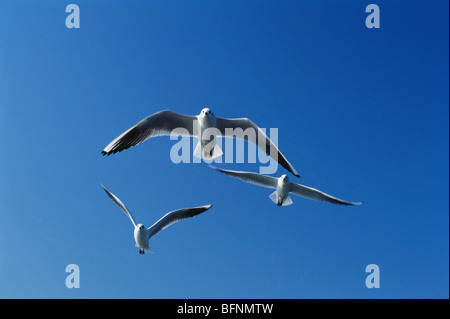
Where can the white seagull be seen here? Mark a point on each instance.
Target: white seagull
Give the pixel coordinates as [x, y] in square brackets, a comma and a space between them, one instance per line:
[283, 187]
[143, 235]
[206, 126]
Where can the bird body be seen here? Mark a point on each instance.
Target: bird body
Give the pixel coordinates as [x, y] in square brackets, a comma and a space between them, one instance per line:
[141, 237]
[207, 133]
[281, 195]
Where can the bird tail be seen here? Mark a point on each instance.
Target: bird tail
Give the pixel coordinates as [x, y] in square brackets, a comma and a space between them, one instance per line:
[280, 202]
[274, 197]
[287, 201]
[198, 150]
[215, 152]
[206, 152]
[145, 249]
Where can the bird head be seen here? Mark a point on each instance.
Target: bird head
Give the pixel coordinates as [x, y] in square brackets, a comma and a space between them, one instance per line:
[207, 112]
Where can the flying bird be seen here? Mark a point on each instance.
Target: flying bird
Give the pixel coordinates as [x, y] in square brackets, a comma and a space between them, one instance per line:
[283, 187]
[206, 126]
[142, 235]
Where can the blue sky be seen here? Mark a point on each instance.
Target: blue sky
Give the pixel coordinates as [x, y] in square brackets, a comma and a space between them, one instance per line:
[362, 114]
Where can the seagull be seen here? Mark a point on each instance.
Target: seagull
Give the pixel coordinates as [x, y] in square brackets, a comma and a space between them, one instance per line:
[206, 126]
[143, 235]
[283, 187]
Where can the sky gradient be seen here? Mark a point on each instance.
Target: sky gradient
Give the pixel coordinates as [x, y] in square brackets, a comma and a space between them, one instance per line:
[362, 114]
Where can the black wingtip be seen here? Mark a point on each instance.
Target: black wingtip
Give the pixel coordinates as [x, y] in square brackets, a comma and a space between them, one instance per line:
[107, 153]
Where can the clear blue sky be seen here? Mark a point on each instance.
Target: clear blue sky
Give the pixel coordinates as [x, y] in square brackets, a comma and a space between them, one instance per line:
[362, 114]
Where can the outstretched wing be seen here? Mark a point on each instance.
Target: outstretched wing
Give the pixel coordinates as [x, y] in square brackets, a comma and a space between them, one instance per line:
[239, 128]
[120, 204]
[158, 124]
[317, 195]
[253, 178]
[174, 217]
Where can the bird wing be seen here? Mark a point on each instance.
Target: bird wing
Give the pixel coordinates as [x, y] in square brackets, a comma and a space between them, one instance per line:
[174, 217]
[120, 204]
[317, 195]
[256, 136]
[158, 124]
[253, 178]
